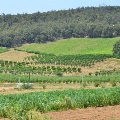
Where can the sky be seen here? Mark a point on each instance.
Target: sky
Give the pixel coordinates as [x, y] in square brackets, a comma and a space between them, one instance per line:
[32, 6]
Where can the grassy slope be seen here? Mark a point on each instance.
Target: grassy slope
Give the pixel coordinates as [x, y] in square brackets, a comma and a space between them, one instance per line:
[2, 49]
[75, 46]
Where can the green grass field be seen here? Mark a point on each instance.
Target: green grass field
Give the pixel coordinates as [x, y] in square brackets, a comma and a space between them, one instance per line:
[2, 49]
[75, 46]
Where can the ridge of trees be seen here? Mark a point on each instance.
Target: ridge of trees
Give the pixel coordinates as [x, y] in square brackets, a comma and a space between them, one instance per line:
[92, 22]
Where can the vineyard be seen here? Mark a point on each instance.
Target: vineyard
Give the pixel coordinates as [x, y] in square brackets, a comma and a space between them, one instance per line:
[45, 64]
[73, 60]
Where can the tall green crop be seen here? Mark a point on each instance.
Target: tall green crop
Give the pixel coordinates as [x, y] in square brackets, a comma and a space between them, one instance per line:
[57, 100]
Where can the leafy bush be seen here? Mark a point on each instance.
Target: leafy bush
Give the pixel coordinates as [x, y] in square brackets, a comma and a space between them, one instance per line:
[59, 73]
[24, 85]
[113, 83]
[44, 86]
[116, 49]
[96, 83]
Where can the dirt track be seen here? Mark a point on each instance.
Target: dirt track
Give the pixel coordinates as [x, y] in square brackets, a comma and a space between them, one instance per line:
[99, 113]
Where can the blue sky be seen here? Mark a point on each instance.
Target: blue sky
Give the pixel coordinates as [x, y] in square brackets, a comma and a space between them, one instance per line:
[32, 6]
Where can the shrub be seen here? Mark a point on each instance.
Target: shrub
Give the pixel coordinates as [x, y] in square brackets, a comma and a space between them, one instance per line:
[96, 83]
[60, 74]
[116, 49]
[44, 86]
[113, 83]
[24, 85]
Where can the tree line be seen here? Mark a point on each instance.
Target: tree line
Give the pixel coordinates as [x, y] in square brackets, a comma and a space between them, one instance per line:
[92, 22]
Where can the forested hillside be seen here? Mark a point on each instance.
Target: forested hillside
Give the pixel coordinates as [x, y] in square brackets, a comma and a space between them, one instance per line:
[92, 22]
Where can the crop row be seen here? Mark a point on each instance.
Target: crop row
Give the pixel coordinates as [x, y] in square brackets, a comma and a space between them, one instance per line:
[74, 60]
[55, 79]
[23, 67]
[17, 106]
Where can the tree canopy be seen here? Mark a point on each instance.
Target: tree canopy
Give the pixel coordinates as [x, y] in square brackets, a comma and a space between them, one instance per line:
[92, 22]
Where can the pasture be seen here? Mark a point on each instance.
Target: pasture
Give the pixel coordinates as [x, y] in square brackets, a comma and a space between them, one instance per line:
[3, 49]
[74, 46]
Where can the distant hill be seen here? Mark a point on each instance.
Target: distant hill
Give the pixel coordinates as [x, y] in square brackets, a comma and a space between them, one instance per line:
[74, 46]
[92, 22]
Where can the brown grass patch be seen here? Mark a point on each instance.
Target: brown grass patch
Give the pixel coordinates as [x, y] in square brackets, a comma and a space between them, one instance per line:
[108, 64]
[14, 55]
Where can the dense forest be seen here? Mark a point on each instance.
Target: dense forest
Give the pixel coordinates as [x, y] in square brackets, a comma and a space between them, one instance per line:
[92, 22]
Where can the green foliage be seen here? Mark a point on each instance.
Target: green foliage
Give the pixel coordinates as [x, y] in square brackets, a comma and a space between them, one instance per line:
[96, 73]
[73, 62]
[11, 78]
[116, 49]
[27, 86]
[93, 22]
[2, 49]
[97, 83]
[18, 106]
[59, 73]
[44, 86]
[73, 46]
[113, 83]
[114, 75]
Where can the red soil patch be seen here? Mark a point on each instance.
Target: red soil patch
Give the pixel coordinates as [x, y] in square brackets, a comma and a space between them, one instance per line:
[99, 113]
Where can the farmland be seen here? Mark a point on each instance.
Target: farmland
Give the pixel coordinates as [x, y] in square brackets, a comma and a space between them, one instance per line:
[66, 74]
[2, 49]
[61, 64]
[19, 105]
[74, 46]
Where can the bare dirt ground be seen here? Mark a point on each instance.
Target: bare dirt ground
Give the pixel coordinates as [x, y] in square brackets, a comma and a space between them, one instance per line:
[48, 87]
[99, 113]
[108, 64]
[4, 119]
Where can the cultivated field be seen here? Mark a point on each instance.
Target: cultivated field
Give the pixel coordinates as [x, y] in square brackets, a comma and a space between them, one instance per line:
[66, 74]
[2, 49]
[74, 46]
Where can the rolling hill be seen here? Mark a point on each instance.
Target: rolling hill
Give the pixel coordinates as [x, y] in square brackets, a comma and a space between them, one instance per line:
[74, 46]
